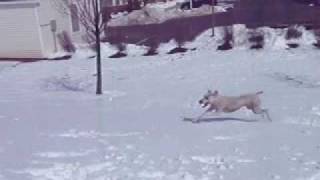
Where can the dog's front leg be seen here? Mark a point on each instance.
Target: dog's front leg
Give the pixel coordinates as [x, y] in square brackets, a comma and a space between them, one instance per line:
[265, 111]
[196, 120]
[203, 114]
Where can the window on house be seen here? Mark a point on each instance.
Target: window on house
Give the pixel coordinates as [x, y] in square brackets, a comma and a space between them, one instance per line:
[75, 18]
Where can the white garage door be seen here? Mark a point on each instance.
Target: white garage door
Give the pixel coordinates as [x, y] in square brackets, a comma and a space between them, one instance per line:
[19, 31]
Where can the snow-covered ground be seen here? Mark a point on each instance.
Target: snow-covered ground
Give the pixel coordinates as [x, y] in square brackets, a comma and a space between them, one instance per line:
[53, 127]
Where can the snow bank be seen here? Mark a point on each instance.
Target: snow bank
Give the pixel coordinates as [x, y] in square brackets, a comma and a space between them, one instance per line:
[152, 14]
[59, 54]
[165, 5]
[206, 41]
[166, 47]
[273, 38]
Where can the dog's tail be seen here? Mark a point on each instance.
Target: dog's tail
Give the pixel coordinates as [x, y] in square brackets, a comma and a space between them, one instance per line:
[259, 92]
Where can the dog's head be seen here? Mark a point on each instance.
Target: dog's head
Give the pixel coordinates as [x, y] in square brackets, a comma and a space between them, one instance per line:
[205, 101]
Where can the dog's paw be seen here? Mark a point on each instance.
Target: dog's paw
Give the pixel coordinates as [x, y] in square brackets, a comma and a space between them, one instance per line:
[186, 119]
[193, 120]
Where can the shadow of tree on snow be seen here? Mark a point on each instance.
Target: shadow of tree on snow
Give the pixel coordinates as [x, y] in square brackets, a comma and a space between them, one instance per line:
[296, 81]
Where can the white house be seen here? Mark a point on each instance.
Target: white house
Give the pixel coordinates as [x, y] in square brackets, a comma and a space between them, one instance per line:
[29, 28]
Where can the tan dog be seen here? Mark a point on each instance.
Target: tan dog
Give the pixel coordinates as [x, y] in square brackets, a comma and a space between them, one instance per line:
[227, 104]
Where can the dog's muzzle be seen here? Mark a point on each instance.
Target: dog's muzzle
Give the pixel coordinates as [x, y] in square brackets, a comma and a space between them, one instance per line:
[203, 104]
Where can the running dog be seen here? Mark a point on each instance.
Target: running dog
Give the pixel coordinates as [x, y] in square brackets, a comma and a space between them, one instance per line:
[217, 103]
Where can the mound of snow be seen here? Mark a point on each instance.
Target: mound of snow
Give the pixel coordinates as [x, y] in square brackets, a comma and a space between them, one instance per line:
[152, 14]
[206, 41]
[68, 83]
[273, 38]
[164, 5]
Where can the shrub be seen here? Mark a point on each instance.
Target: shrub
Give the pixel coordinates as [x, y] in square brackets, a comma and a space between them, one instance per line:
[66, 42]
[118, 55]
[153, 45]
[178, 50]
[317, 34]
[121, 48]
[227, 39]
[256, 38]
[293, 33]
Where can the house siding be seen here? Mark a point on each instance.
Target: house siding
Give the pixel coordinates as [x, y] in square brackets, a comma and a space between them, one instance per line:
[48, 37]
[63, 20]
[26, 29]
[49, 11]
[19, 33]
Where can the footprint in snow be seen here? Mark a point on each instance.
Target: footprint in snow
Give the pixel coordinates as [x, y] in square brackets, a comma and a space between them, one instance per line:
[275, 177]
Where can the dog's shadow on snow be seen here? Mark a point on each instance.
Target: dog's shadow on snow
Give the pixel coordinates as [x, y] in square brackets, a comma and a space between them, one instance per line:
[220, 119]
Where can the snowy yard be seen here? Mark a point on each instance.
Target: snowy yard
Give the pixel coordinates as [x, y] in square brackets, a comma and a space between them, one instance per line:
[53, 127]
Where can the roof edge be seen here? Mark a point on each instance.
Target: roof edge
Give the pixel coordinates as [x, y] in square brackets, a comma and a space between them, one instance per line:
[19, 4]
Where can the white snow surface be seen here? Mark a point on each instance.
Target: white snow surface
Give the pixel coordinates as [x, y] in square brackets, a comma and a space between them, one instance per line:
[53, 127]
[158, 13]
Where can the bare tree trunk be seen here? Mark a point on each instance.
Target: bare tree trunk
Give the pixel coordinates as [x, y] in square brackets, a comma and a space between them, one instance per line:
[98, 49]
[99, 72]
[212, 17]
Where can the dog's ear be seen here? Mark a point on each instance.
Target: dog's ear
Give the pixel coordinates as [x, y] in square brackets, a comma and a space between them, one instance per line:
[209, 91]
[215, 93]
